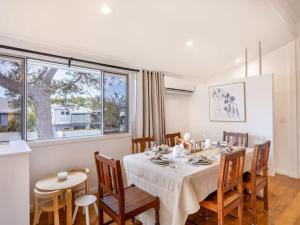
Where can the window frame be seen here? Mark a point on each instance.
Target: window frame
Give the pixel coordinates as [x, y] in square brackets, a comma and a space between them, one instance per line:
[24, 98]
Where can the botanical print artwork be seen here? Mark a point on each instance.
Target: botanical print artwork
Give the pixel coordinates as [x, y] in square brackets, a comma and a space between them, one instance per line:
[227, 102]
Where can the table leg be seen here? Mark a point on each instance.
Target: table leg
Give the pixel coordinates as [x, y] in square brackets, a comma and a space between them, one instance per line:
[69, 207]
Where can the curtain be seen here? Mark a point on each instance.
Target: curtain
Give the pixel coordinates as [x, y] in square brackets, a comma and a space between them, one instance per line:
[153, 105]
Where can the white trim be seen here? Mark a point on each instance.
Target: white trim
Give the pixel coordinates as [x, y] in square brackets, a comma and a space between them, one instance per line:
[51, 142]
[286, 173]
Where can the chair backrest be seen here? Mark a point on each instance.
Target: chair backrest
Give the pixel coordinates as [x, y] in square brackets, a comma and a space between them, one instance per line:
[260, 159]
[238, 139]
[51, 196]
[170, 139]
[110, 179]
[139, 144]
[82, 170]
[231, 173]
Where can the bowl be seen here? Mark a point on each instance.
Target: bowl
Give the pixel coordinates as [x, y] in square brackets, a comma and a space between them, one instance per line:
[62, 175]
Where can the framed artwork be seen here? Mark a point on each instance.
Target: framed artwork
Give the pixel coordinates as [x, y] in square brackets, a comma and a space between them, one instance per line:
[227, 102]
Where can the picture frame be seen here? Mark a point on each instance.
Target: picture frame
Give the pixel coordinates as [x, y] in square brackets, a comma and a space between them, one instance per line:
[227, 102]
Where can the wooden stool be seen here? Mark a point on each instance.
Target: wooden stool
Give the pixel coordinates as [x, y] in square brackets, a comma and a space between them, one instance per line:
[47, 202]
[85, 201]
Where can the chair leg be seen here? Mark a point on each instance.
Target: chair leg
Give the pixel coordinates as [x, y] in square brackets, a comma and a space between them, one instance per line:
[35, 217]
[96, 209]
[266, 199]
[240, 213]
[39, 215]
[132, 220]
[220, 218]
[157, 216]
[253, 206]
[206, 215]
[56, 217]
[87, 215]
[100, 216]
[122, 222]
[75, 214]
[50, 218]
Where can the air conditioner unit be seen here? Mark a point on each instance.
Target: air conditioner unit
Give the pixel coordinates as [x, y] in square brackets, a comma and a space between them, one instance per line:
[178, 86]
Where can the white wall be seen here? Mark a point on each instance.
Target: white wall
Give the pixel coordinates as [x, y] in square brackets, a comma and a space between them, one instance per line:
[177, 112]
[259, 112]
[281, 63]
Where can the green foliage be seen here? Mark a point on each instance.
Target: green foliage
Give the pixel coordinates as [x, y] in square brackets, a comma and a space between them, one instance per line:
[93, 103]
[31, 120]
[112, 109]
[14, 125]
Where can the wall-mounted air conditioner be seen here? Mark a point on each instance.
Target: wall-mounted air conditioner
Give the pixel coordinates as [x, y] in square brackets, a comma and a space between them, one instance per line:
[178, 86]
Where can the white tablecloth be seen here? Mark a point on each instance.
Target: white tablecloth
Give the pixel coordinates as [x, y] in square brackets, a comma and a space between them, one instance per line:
[180, 190]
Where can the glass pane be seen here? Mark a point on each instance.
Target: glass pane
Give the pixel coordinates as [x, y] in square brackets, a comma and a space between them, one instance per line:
[11, 89]
[63, 101]
[115, 103]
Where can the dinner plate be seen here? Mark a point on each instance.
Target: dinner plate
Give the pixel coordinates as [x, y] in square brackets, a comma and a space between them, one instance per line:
[160, 161]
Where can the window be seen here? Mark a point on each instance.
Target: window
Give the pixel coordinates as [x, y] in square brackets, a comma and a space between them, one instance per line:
[61, 101]
[11, 104]
[115, 103]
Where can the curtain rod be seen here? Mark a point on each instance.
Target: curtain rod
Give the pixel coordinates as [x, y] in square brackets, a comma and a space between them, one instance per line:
[66, 58]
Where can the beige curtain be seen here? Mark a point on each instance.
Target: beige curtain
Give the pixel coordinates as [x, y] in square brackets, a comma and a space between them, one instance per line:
[153, 105]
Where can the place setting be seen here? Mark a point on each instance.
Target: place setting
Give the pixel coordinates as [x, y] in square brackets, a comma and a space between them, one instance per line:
[160, 160]
[199, 160]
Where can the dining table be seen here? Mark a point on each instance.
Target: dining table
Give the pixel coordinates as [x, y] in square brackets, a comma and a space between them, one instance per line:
[179, 186]
[52, 183]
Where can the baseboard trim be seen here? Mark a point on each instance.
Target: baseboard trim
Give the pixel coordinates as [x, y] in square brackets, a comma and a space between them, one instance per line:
[286, 173]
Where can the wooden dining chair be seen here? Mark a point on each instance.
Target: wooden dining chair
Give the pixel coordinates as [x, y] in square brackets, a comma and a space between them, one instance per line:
[258, 178]
[50, 202]
[170, 139]
[120, 203]
[239, 139]
[139, 144]
[229, 194]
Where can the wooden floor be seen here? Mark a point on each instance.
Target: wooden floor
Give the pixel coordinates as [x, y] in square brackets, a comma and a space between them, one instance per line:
[284, 202]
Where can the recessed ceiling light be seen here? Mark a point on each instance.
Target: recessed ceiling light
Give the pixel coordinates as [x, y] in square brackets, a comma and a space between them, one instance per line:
[106, 10]
[189, 43]
[238, 60]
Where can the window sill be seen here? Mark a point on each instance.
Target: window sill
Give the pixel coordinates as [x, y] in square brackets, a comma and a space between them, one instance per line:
[52, 142]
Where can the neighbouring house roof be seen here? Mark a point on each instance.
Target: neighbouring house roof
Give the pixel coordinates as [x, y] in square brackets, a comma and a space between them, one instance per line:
[4, 106]
[72, 108]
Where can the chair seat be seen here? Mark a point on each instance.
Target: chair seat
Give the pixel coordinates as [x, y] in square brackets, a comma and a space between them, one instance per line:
[247, 180]
[136, 201]
[85, 200]
[48, 206]
[229, 197]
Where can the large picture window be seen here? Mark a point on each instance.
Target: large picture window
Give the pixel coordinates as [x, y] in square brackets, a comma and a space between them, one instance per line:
[62, 101]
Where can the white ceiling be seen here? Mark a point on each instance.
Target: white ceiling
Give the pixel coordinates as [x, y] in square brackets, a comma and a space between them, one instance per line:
[152, 34]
